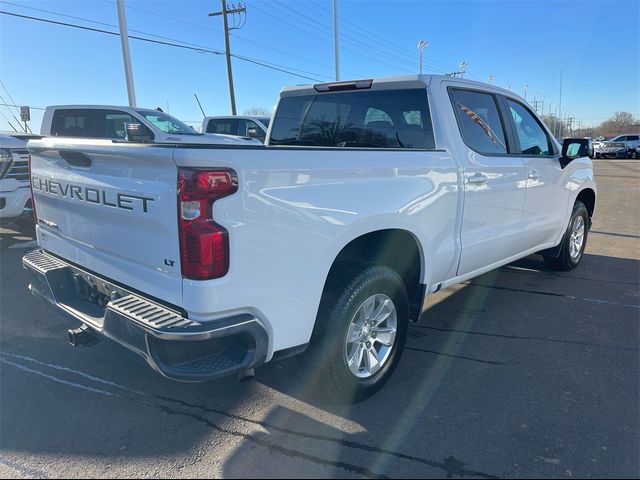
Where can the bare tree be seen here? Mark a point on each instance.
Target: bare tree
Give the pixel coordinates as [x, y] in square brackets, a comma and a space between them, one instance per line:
[622, 121]
[257, 112]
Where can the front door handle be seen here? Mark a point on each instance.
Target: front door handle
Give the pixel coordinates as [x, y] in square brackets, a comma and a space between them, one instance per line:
[478, 179]
[534, 175]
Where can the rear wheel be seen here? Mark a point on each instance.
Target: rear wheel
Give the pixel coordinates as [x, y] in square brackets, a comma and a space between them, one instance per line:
[573, 242]
[360, 332]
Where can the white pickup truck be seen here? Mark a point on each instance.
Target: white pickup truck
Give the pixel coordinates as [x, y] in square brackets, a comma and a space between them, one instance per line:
[207, 260]
[15, 195]
[110, 122]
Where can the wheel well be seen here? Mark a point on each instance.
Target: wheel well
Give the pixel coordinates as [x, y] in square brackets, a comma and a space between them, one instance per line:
[588, 197]
[397, 249]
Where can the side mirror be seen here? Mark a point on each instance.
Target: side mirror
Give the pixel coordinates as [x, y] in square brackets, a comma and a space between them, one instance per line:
[137, 133]
[573, 148]
[254, 132]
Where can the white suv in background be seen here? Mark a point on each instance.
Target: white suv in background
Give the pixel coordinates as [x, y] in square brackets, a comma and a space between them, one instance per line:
[15, 194]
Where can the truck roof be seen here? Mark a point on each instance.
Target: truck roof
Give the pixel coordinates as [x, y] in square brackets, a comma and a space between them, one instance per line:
[110, 107]
[404, 81]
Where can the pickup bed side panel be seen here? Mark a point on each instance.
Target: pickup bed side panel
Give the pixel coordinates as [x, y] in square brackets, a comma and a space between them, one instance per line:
[295, 210]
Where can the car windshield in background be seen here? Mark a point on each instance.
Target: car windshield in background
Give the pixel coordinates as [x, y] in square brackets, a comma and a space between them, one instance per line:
[366, 119]
[265, 121]
[167, 123]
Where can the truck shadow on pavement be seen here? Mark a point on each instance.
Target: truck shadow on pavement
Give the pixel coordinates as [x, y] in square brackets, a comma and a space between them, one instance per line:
[498, 377]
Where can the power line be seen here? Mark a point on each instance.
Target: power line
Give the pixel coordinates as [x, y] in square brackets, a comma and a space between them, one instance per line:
[8, 121]
[235, 35]
[182, 45]
[345, 38]
[377, 60]
[382, 41]
[10, 110]
[201, 48]
[18, 106]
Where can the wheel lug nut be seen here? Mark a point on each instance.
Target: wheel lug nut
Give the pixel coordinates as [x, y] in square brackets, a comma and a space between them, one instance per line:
[368, 344]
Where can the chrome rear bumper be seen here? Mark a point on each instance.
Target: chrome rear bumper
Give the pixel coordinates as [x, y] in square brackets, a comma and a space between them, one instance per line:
[174, 345]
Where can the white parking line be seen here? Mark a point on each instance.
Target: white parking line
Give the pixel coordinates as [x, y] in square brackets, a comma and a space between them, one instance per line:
[56, 379]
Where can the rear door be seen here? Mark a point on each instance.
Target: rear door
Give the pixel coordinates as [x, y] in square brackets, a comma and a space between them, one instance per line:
[494, 182]
[112, 209]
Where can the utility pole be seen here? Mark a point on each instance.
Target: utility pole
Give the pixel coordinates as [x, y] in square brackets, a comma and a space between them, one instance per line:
[570, 125]
[239, 9]
[126, 55]
[336, 38]
[463, 68]
[526, 85]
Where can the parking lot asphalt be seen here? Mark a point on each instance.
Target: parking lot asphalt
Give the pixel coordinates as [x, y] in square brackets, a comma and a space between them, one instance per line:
[522, 372]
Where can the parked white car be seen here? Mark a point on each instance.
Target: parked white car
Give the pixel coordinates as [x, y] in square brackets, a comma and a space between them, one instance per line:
[243, 126]
[15, 195]
[109, 121]
[368, 196]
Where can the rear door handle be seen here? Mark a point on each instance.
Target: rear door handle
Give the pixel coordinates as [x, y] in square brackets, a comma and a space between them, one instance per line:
[478, 179]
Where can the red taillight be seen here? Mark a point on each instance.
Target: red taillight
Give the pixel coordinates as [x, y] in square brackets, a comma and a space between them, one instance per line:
[204, 245]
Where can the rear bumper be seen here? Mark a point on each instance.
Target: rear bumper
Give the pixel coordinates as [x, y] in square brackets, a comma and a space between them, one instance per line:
[15, 203]
[176, 347]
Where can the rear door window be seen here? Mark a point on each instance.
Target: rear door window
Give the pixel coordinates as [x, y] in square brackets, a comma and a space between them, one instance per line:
[365, 118]
[226, 126]
[479, 121]
[74, 123]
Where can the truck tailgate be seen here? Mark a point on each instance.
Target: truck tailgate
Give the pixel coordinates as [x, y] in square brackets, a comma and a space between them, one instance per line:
[111, 211]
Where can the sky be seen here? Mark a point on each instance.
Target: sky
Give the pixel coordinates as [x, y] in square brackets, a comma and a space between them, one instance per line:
[595, 44]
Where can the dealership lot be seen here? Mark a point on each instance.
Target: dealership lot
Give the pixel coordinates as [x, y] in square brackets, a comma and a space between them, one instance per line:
[521, 372]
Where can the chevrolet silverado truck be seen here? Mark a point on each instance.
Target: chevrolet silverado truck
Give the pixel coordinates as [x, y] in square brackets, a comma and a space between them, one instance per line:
[208, 260]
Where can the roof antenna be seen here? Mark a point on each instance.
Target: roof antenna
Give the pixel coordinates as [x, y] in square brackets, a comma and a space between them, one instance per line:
[197, 100]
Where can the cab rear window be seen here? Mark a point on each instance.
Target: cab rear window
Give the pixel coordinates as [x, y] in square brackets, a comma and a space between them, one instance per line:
[366, 119]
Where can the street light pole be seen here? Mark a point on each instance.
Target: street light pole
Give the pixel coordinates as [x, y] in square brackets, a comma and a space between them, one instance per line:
[126, 55]
[421, 46]
[336, 38]
[526, 85]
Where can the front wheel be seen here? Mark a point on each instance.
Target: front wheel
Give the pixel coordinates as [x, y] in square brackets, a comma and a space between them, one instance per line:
[360, 332]
[573, 242]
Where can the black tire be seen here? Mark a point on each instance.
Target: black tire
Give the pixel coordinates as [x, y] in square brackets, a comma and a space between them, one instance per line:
[346, 291]
[565, 261]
